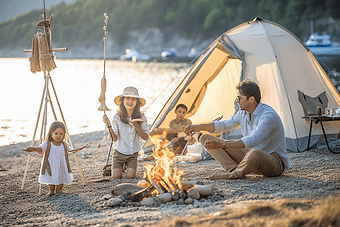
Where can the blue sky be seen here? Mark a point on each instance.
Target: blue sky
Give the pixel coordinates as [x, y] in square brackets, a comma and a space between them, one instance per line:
[12, 8]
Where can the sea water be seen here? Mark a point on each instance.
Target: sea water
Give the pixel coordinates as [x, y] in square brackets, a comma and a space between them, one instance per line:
[77, 86]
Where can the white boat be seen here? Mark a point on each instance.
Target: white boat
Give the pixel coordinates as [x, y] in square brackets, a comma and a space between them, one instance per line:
[169, 54]
[133, 55]
[194, 53]
[321, 45]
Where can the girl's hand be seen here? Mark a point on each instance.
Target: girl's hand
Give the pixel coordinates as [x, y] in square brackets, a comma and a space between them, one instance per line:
[32, 149]
[78, 149]
[28, 149]
[106, 120]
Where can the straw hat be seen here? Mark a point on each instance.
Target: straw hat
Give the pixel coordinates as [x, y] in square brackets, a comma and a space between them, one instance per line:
[130, 92]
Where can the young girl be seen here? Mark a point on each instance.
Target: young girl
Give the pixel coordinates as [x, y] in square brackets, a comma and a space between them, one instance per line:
[55, 167]
[129, 125]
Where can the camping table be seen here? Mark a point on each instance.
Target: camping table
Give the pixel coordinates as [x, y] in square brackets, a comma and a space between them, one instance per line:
[316, 119]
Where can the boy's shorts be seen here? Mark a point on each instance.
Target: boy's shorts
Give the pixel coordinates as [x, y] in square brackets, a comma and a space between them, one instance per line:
[119, 159]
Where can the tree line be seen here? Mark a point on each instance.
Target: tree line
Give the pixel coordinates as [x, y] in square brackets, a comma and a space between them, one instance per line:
[81, 23]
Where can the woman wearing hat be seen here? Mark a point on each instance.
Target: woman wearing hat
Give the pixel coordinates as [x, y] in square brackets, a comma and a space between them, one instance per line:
[129, 125]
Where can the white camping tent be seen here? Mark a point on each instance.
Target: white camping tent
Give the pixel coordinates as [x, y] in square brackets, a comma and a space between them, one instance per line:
[268, 54]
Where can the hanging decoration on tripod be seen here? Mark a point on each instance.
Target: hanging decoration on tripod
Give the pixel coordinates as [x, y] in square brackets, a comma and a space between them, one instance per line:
[101, 98]
[42, 58]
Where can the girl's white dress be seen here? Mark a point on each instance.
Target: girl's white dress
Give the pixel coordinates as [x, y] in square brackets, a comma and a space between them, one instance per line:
[60, 174]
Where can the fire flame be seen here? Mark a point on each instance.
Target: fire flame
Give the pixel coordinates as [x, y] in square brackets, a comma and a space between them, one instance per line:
[161, 173]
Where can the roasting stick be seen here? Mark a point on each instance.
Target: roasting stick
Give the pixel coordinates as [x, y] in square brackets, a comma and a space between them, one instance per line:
[186, 137]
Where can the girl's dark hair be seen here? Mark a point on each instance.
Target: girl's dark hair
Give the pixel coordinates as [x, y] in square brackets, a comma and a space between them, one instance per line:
[123, 115]
[53, 127]
[249, 88]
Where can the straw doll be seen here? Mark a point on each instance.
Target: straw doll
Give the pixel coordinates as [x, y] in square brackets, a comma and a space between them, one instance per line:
[129, 126]
[55, 167]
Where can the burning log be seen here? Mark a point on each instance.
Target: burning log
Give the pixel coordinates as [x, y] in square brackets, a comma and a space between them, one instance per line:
[175, 195]
[157, 186]
[168, 188]
[172, 181]
[140, 195]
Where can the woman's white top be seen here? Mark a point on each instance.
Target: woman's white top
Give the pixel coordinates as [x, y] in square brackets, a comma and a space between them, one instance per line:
[59, 171]
[128, 141]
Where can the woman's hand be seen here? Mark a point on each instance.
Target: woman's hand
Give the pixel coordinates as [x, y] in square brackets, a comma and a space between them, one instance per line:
[137, 120]
[140, 131]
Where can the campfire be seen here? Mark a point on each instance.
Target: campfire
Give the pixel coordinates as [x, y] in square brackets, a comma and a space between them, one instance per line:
[161, 175]
[162, 182]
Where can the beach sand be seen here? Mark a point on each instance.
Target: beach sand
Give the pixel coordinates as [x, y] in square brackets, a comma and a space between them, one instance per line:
[313, 177]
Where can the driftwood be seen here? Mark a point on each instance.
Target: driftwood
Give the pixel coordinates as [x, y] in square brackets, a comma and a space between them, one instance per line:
[100, 180]
[123, 188]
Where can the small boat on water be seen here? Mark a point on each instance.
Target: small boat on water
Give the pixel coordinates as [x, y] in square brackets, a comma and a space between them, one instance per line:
[133, 55]
[321, 45]
[169, 54]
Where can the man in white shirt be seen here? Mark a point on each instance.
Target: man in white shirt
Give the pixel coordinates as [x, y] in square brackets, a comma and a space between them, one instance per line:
[261, 150]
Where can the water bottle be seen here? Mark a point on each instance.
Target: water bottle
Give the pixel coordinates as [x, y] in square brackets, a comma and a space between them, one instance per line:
[319, 110]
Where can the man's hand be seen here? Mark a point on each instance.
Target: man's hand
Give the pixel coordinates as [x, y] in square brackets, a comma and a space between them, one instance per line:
[191, 129]
[213, 145]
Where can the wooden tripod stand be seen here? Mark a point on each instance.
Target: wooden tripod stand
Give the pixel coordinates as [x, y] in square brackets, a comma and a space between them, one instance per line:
[46, 98]
[42, 52]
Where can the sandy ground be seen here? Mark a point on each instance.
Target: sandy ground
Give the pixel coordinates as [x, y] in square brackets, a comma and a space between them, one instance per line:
[315, 175]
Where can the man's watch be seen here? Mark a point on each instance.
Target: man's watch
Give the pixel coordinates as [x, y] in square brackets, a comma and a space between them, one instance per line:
[224, 145]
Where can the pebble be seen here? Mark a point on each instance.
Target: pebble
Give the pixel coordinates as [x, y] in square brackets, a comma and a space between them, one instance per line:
[204, 190]
[164, 198]
[113, 202]
[147, 202]
[188, 201]
[193, 193]
[107, 197]
[180, 201]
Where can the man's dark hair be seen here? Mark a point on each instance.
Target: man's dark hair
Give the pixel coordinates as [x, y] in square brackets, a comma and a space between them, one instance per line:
[249, 88]
[181, 106]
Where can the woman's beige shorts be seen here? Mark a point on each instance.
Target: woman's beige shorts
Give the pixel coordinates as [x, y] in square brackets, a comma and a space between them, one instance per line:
[119, 159]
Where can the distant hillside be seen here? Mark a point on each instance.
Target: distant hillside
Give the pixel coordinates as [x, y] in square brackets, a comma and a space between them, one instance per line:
[153, 25]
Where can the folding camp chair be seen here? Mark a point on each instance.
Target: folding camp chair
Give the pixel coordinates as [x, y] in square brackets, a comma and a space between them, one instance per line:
[310, 105]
